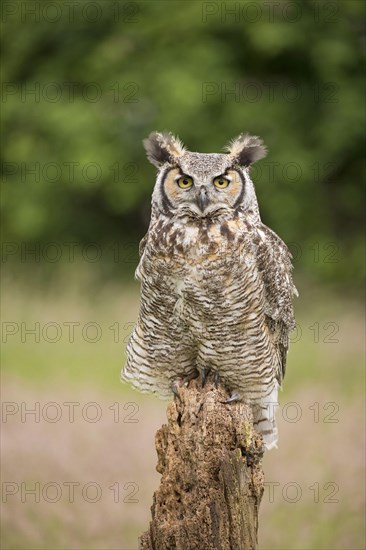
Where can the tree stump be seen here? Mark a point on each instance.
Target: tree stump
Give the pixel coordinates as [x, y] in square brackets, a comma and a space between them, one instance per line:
[212, 480]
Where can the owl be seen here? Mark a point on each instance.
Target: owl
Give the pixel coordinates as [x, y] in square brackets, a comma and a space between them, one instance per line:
[216, 284]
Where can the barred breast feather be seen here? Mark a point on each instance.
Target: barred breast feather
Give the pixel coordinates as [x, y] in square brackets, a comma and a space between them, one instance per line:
[207, 302]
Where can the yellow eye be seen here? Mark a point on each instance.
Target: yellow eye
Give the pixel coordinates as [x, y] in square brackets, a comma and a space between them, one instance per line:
[221, 182]
[185, 182]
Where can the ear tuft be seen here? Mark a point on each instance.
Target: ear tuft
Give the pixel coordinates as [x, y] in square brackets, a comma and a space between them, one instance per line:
[163, 147]
[246, 149]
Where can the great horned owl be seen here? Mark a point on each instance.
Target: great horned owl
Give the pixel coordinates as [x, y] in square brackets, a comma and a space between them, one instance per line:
[216, 285]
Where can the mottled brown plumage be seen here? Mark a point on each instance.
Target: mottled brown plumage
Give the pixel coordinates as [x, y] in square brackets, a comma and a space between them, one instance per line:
[216, 285]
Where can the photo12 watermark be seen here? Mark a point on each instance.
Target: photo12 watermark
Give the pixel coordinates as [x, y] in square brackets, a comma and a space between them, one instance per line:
[270, 91]
[69, 11]
[92, 412]
[70, 92]
[92, 332]
[270, 11]
[71, 492]
[292, 492]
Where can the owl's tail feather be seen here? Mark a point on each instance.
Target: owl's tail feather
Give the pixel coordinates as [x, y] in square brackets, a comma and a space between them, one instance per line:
[264, 420]
[268, 429]
[144, 381]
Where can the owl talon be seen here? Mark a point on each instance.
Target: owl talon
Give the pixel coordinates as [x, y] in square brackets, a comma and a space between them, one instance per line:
[174, 387]
[205, 373]
[216, 379]
[233, 397]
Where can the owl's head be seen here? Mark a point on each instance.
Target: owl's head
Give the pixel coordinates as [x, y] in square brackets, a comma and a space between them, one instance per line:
[201, 185]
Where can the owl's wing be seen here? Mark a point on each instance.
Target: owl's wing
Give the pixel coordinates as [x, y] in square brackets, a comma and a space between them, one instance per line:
[275, 267]
[142, 244]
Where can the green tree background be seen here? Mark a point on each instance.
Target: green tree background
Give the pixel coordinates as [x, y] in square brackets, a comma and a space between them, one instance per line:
[83, 87]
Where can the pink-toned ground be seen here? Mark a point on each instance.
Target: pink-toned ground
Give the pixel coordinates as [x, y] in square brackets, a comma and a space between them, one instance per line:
[314, 496]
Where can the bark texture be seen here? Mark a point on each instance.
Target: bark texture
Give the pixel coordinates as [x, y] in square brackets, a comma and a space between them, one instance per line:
[212, 481]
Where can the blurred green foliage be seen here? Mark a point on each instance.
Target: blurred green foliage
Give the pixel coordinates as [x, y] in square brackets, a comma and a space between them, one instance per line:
[82, 87]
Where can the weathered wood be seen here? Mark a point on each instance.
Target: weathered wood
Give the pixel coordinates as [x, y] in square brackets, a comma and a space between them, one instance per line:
[212, 480]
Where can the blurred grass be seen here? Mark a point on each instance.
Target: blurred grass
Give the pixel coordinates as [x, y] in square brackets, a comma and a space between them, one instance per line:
[319, 371]
[92, 326]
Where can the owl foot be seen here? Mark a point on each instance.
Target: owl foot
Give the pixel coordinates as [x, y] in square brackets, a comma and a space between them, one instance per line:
[191, 376]
[233, 397]
[183, 382]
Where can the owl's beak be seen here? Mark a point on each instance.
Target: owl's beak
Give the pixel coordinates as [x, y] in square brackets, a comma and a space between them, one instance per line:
[202, 199]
